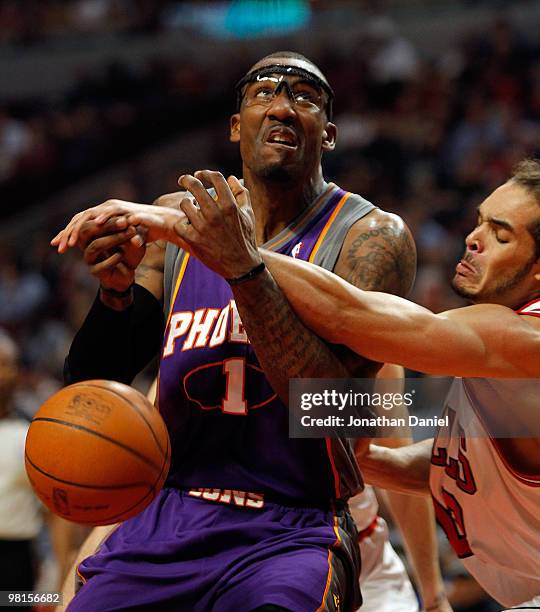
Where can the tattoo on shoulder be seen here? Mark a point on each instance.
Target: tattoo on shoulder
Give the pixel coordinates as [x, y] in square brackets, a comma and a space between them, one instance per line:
[382, 259]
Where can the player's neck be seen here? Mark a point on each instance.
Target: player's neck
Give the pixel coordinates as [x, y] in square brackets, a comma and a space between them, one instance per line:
[275, 205]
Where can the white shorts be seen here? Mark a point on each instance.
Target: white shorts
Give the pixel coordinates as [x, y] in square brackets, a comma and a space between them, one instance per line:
[384, 582]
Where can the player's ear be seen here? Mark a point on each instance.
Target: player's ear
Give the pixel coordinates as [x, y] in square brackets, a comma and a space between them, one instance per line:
[329, 137]
[234, 134]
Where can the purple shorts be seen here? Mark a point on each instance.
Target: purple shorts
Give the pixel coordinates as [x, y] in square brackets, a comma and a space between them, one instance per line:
[187, 554]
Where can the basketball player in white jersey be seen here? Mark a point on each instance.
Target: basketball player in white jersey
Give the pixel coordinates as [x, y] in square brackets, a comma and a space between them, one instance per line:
[486, 490]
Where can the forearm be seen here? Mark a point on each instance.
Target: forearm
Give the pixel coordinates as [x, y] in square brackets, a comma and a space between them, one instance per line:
[313, 292]
[415, 519]
[404, 470]
[379, 326]
[116, 344]
[284, 347]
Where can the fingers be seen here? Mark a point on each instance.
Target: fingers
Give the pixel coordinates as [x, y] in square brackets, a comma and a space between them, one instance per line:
[61, 239]
[240, 193]
[139, 239]
[211, 178]
[69, 236]
[186, 229]
[105, 244]
[114, 262]
[235, 185]
[208, 206]
[193, 217]
[72, 232]
[110, 262]
[89, 230]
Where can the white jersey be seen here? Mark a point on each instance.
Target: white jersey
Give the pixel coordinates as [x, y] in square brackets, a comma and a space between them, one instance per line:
[489, 511]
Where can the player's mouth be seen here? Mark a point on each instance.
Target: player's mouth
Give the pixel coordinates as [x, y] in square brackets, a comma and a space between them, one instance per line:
[465, 268]
[282, 137]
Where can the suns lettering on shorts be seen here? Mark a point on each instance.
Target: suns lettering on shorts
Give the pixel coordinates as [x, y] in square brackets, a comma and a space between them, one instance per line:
[204, 327]
[243, 499]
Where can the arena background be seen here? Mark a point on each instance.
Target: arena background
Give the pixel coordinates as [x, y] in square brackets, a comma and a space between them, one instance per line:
[435, 102]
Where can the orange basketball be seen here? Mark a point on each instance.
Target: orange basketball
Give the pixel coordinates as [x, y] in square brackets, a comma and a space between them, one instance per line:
[97, 452]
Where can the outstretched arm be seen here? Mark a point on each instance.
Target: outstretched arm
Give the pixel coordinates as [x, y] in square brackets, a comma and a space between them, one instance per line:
[404, 469]
[481, 340]
[123, 329]
[378, 254]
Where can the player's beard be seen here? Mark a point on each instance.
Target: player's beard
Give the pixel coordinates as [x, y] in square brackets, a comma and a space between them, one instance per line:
[277, 173]
[502, 286]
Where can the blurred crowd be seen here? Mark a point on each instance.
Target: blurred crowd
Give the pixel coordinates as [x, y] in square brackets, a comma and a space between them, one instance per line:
[425, 136]
[33, 22]
[430, 137]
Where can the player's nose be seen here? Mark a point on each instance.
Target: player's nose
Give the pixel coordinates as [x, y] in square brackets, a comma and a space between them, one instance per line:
[281, 106]
[474, 240]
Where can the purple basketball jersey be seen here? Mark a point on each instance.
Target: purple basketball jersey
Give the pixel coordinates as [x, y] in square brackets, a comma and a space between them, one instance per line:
[228, 428]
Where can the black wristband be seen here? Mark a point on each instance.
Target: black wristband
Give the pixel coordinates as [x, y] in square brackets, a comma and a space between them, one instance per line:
[248, 275]
[117, 294]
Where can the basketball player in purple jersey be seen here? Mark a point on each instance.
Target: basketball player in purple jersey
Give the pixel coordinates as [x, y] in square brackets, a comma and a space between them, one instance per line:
[250, 519]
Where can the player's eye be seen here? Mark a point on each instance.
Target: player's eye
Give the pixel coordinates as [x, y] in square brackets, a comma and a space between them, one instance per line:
[304, 96]
[263, 92]
[501, 240]
[307, 96]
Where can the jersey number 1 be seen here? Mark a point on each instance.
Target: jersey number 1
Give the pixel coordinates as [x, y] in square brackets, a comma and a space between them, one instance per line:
[234, 401]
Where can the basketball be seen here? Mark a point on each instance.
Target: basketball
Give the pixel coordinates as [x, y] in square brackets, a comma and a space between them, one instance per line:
[97, 452]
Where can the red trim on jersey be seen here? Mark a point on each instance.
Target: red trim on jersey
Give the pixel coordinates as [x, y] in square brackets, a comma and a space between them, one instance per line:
[219, 406]
[365, 533]
[531, 480]
[337, 479]
[535, 313]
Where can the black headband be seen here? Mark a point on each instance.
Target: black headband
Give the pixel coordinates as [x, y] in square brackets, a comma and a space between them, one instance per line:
[286, 70]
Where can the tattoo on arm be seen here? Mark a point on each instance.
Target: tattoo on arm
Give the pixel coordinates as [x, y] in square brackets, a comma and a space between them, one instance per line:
[382, 259]
[285, 348]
